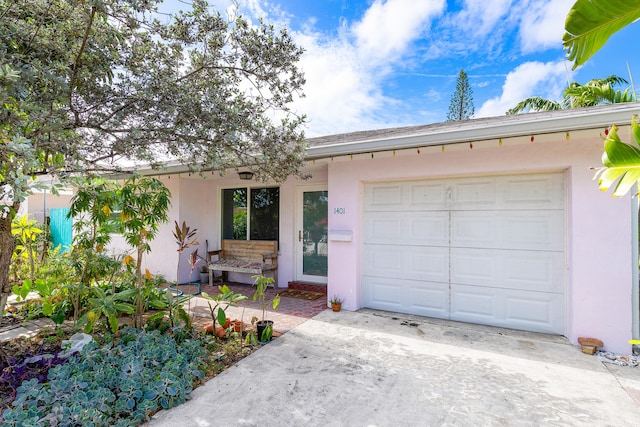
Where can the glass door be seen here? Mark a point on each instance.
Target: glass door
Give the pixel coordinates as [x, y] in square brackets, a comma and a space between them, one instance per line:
[312, 242]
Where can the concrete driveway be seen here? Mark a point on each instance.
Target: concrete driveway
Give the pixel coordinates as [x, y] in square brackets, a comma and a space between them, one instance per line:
[372, 368]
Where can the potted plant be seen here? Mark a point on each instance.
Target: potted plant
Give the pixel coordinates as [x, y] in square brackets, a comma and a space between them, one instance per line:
[225, 299]
[204, 274]
[264, 327]
[336, 303]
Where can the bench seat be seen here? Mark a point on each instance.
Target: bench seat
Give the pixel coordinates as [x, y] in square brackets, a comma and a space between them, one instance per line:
[244, 256]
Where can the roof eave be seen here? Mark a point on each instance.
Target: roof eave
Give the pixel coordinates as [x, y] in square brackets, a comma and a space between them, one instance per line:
[487, 129]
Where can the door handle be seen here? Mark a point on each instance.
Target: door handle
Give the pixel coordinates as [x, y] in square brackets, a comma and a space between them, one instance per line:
[299, 235]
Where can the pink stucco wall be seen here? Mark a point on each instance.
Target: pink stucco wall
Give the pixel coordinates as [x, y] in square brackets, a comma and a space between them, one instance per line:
[197, 200]
[599, 228]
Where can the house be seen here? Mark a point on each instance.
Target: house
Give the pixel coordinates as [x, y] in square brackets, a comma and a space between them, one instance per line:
[495, 221]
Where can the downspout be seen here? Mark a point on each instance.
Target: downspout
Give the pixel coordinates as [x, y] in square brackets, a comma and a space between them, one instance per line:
[635, 274]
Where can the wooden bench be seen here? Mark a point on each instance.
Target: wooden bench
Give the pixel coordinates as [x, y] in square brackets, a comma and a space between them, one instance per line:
[244, 256]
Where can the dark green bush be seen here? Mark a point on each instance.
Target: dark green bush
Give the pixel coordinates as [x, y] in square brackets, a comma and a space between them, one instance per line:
[117, 384]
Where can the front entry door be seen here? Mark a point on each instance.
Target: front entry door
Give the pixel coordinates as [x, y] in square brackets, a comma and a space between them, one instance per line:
[311, 234]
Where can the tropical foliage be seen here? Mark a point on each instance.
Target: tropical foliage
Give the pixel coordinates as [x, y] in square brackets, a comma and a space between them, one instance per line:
[621, 161]
[588, 26]
[576, 95]
[590, 23]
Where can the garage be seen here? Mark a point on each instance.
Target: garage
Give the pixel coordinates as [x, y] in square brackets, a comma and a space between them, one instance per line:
[488, 250]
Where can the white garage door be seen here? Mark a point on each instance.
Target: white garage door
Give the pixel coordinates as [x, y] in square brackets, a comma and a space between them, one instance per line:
[485, 250]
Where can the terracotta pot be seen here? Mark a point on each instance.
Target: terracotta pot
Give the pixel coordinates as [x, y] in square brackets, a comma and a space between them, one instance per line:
[221, 332]
[238, 325]
[336, 307]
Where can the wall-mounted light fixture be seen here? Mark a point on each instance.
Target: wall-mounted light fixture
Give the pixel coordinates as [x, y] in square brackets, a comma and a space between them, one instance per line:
[246, 175]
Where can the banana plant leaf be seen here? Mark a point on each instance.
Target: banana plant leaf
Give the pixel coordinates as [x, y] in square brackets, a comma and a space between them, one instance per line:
[621, 162]
[590, 23]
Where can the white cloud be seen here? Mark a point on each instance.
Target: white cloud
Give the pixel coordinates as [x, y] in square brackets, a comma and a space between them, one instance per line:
[479, 18]
[341, 92]
[529, 79]
[388, 27]
[542, 24]
[344, 75]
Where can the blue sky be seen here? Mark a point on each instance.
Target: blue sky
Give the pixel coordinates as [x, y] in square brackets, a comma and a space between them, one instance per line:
[373, 64]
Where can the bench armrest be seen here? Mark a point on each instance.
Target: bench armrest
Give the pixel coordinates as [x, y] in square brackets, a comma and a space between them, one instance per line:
[269, 258]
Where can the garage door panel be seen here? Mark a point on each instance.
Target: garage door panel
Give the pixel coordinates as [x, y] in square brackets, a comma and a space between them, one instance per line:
[383, 228]
[386, 196]
[430, 228]
[534, 311]
[431, 264]
[512, 269]
[538, 230]
[535, 271]
[406, 228]
[475, 194]
[428, 196]
[541, 230]
[407, 296]
[407, 262]
[533, 191]
[472, 229]
[380, 261]
[472, 302]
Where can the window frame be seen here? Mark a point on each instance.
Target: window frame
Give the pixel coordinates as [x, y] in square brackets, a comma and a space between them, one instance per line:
[249, 190]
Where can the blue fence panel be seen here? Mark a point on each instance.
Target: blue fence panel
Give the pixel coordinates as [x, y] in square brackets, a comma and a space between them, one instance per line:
[61, 228]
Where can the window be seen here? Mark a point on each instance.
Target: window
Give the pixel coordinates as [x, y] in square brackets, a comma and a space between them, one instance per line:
[251, 213]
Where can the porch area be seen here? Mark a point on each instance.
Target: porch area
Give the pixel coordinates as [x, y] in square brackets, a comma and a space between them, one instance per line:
[291, 312]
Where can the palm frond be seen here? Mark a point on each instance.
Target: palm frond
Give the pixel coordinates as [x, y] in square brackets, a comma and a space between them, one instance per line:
[611, 80]
[590, 23]
[535, 103]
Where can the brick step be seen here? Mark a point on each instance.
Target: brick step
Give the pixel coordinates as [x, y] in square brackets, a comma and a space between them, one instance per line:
[306, 286]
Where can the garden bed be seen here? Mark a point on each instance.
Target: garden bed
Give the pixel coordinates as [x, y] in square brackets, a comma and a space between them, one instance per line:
[176, 357]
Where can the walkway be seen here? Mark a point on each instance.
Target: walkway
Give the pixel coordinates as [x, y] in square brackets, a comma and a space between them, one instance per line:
[291, 312]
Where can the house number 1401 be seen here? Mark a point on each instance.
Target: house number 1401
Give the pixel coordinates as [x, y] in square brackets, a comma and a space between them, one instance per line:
[338, 211]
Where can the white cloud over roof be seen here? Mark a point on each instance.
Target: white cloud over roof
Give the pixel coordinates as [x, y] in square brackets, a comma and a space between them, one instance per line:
[354, 68]
[544, 79]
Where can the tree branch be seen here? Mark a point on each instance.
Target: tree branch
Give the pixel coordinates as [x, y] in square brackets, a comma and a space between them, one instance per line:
[78, 61]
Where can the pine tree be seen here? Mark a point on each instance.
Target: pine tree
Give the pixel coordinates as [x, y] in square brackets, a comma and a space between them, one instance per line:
[461, 106]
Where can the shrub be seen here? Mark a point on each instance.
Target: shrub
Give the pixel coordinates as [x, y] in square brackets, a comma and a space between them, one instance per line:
[117, 384]
[17, 368]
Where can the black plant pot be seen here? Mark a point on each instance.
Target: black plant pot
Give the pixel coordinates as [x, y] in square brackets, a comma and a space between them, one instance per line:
[263, 325]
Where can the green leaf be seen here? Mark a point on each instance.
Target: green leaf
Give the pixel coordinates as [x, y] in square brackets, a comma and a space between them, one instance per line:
[47, 308]
[113, 323]
[58, 317]
[222, 316]
[621, 163]
[590, 23]
[267, 333]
